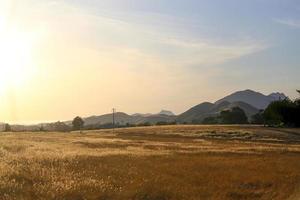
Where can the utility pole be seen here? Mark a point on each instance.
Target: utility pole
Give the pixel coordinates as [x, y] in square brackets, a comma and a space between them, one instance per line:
[113, 113]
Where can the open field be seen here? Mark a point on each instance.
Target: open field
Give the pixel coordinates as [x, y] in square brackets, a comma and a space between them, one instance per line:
[153, 163]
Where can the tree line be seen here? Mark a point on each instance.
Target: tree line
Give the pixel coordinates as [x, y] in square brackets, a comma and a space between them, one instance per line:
[284, 113]
[235, 115]
[281, 113]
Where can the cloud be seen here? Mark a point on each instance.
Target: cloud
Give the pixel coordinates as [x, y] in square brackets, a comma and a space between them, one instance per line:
[289, 22]
[145, 41]
[164, 41]
[207, 52]
[159, 36]
[127, 58]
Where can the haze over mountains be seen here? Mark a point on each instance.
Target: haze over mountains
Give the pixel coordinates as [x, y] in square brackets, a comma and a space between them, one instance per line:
[198, 113]
[250, 101]
[123, 119]
[256, 99]
[162, 112]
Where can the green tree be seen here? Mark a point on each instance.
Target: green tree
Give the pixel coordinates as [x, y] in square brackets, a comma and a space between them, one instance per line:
[225, 117]
[258, 118]
[283, 113]
[161, 123]
[210, 120]
[234, 116]
[297, 101]
[78, 123]
[272, 114]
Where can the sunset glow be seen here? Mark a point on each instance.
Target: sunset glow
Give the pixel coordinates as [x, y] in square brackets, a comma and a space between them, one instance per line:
[16, 59]
[140, 56]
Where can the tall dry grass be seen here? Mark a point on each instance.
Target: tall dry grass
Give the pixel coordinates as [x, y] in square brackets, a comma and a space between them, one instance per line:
[178, 162]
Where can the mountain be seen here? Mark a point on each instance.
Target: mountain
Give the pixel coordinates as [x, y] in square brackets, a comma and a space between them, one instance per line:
[120, 118]
[253, 98]
[248, 100]
[277, 96]
[166, 112]
[141, 115]
[195, 113]
[201, 111]
[162, 112]
[123, 118]
[153, 119]
[247, 108]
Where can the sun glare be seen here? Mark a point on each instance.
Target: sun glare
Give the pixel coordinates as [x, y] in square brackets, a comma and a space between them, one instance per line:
[16, 58]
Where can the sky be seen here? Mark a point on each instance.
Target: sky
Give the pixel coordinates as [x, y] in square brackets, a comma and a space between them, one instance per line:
[63, 58]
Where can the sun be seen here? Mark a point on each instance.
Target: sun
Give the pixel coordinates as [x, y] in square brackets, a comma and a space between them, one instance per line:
[15, 58]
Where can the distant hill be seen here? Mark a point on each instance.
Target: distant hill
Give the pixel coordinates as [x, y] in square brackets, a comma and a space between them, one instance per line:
[277, 96]
[153, 119]
[201, 111]
[166, 112]
[123, 118]
[120, 118]
[248, 109]
[141, 114]
[162, 112]
[248, 100]
[196, 112]
[256, 99]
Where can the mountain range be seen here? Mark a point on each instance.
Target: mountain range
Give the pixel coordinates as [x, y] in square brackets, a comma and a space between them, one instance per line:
[162, 112]
[256, 99]
[123, 118]
[248, 100]
[198, 113]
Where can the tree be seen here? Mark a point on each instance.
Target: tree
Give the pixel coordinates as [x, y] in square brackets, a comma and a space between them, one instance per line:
[258, 118]
[234, 116]
[225, 117]
[78, 123]
[196, 121]
[211, 120]
[161, 123]
[144, 124]
[272, 113]
[7, 128]
[297, 101]
[283, 113]
[42, 128]
[61, 127]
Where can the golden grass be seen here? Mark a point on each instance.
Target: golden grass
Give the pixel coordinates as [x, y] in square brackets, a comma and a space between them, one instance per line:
[154, 163]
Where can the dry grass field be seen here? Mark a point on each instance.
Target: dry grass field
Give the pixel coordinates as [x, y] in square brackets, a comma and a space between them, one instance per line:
[153, 163]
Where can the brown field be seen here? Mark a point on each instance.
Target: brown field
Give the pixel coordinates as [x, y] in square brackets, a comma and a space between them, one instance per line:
[154, 163]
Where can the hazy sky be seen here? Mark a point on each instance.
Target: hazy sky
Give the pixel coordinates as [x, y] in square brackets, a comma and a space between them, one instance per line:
[83, 57]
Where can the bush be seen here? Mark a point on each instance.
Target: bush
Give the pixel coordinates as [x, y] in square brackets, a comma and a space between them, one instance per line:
[77, 123]
[211, 120]
[283, 113]
[258, 118]
[144, 124]
[234, 116]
